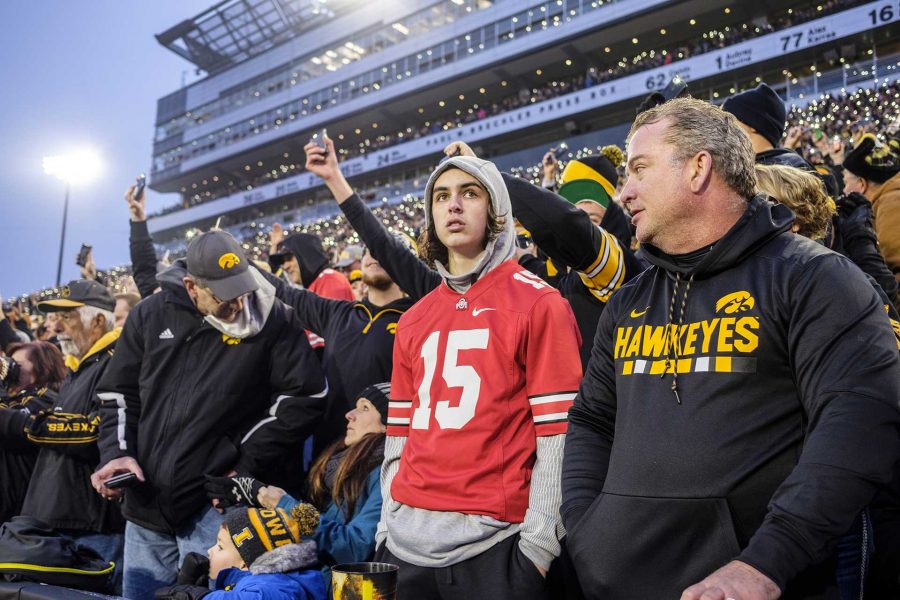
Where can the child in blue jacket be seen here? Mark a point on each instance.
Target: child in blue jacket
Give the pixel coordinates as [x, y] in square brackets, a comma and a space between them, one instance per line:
[258, 555]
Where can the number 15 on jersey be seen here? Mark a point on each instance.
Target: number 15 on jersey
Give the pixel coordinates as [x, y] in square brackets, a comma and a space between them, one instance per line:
[454, 376]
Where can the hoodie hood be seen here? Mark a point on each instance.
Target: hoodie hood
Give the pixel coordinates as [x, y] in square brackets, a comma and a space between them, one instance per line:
[761, 221]
[287, 558]
[173, 275]
[310, 255]
[498, 250]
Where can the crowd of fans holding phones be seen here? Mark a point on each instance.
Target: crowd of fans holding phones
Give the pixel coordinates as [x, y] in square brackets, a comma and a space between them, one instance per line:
[666, 371]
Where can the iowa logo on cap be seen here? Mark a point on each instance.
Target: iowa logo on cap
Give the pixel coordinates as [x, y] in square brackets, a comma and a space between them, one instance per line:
[229, 260]
[65, 292]
[735, 302]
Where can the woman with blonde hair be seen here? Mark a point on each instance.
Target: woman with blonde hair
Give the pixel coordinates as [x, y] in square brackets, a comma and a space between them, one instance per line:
[803, 193]
[845, 227]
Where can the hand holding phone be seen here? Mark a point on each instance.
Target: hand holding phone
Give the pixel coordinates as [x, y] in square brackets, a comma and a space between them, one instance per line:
[318, 139]
[141, 182]
[121, 481]
[83, 255]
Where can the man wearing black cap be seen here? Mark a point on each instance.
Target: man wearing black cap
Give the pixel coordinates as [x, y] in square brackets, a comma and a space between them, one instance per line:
[871, 169]
[761, 113]
[60, 491]
[208, 379]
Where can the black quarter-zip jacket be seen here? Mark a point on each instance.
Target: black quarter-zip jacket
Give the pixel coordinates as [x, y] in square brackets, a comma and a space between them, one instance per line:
[784, 425]
[186, 400]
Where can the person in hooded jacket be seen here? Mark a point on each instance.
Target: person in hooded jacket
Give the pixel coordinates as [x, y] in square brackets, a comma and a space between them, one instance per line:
[303, 260]
[731, 424]
[207, 379]
[360, 335]
[476, 375]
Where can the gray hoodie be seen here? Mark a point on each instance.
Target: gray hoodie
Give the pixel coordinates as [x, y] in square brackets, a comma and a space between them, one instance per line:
[439, 539]
[499, 249]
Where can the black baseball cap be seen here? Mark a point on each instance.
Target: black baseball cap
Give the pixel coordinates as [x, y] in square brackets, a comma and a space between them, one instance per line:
[80, 292]
[216, 260]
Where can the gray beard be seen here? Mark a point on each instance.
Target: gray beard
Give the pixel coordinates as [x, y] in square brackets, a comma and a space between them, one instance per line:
[70, 347]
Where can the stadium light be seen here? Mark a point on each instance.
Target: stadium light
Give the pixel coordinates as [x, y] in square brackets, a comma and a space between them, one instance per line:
[77, 168]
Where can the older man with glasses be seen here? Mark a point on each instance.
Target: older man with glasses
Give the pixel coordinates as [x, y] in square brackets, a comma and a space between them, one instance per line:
[212, 377]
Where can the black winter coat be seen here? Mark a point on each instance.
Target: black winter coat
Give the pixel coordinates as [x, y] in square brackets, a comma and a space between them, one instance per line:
[60, 492]
[186, 400]
[17, 453]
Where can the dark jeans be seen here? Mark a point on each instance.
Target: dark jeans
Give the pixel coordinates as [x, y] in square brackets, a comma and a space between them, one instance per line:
[501, 573]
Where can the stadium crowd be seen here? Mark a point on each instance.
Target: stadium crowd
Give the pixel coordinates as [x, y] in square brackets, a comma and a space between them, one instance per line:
[550, 88]
[666, 371]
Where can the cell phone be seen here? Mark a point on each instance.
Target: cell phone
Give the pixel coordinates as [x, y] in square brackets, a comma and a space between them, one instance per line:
[674, 88]
[139, 186]
[318, 139]
[120, 481]
[81, 259]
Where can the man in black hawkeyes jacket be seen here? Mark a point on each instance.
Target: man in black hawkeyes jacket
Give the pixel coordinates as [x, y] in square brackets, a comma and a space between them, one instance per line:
[211, 376]
[60, 493]
[734, 419]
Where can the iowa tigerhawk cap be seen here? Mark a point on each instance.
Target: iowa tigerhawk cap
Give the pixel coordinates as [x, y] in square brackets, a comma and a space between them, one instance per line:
[216, 260]
[80, 292]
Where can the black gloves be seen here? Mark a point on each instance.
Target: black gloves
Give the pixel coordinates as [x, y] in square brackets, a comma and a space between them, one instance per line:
[192, 582]
[240, 489]
[194, 570]
[181, 592]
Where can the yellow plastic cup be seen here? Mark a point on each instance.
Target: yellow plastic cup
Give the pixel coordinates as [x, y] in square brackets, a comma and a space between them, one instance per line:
[364, 581]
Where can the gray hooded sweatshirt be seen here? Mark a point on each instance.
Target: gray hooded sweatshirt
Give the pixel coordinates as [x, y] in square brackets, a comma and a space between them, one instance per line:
[439, 539]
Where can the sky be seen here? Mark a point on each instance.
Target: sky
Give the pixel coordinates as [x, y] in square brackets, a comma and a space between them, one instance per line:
[75, 74]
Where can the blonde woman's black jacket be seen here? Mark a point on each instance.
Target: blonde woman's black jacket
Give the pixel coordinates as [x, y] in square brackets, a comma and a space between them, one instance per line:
[186, 400]
[17, 453]
[782, 424]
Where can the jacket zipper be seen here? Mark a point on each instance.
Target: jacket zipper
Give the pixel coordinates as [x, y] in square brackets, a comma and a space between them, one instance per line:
[170, 467]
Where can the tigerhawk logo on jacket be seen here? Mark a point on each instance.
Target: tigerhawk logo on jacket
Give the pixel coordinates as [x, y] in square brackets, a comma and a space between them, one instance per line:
[722, 344]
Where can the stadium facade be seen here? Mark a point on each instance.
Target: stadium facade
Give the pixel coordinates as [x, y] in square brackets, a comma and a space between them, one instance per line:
[394, 81]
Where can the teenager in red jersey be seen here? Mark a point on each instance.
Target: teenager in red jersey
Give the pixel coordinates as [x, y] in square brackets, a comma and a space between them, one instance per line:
[485, 369]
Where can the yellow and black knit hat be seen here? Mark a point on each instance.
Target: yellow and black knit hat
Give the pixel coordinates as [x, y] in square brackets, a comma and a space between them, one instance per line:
[592, 178]
[872, 160]
[255, 531]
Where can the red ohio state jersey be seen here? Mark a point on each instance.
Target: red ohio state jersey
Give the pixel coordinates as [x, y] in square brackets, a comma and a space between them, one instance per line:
[477, 376]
